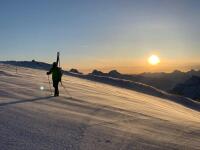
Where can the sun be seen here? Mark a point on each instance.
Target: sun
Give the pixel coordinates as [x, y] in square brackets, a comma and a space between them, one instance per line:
[154, 60]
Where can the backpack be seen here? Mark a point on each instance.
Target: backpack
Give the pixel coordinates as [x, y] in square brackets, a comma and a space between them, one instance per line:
[60, 73]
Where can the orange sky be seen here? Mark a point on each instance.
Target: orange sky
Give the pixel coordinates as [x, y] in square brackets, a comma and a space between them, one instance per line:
[135, 66]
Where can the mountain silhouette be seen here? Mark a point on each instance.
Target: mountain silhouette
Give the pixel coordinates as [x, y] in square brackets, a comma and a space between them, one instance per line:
[190, 88]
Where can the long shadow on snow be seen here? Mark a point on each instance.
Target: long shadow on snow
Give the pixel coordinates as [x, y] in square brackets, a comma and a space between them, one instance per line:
[25, 101]
[90, 108]
[75, 103]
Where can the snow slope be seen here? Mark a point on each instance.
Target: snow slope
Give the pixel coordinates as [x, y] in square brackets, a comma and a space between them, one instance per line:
[97, 117]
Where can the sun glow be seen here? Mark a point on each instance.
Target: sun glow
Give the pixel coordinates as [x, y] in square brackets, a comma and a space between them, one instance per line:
[154, 60]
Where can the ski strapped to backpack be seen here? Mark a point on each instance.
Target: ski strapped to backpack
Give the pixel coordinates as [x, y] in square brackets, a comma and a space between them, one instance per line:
[60, 71]
[60, 75]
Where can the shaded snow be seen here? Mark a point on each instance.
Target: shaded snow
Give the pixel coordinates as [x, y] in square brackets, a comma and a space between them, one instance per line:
[98, 116]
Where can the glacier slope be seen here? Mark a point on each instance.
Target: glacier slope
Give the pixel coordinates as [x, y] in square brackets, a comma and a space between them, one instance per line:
[98, 116]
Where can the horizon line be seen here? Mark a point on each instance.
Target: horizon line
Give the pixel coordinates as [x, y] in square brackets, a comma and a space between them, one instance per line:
[109, 69]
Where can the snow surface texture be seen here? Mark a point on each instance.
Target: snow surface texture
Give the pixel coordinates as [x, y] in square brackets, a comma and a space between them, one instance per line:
[96, 117]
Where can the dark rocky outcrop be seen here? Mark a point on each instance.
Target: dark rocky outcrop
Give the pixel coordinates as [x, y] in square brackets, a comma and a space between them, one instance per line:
[75, 71]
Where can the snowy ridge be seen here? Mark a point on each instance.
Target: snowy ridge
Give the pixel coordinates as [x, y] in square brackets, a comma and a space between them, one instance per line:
[29, 64]
[98, 116]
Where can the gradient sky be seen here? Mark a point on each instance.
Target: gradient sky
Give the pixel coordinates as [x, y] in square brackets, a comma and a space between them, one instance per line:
[103, 34]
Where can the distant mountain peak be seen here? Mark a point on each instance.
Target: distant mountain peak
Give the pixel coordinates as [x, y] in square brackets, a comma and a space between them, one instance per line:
[97, 72]
[114, 73]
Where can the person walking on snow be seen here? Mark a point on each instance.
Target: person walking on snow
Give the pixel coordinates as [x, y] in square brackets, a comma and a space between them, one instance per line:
[56, 77]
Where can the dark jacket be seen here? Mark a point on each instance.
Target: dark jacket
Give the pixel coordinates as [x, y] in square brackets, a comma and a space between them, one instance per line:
[55, 71]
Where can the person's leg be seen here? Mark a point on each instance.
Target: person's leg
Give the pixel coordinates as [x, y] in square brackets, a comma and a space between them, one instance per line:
[57, 91]
[55, 88]
[55, 85]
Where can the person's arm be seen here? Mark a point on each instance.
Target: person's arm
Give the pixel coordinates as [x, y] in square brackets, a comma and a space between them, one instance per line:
[49, 72]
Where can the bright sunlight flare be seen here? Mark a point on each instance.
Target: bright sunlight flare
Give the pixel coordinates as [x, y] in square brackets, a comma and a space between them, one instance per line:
[154, 60]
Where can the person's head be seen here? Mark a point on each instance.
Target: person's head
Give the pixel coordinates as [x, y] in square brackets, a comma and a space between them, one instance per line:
[54, 64]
